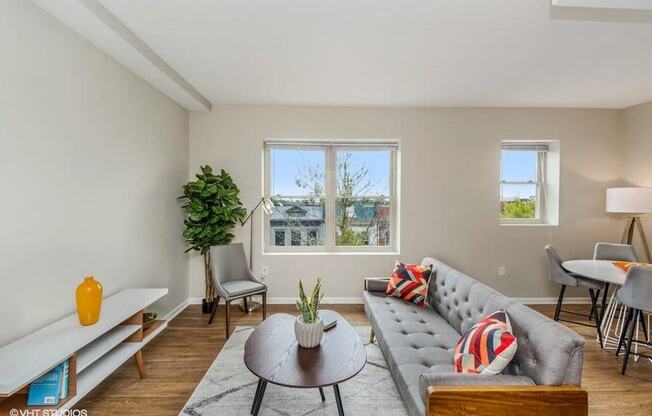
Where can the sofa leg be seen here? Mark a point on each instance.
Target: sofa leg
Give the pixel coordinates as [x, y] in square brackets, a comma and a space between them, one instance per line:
[371, 336]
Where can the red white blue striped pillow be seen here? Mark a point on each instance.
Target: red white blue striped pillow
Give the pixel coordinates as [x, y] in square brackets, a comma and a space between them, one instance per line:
[410, 282]
[486, 348]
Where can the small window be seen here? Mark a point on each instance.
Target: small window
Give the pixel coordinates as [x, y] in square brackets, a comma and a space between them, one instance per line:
[332, 196]
[279, 238]
[312, 238]
[296, 237]
[523, 182]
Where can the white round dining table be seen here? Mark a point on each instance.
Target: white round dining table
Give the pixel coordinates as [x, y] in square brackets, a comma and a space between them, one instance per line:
[606, 271]
[602, 270]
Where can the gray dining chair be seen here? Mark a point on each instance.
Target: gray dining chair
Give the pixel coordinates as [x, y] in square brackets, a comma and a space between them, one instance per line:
[636, 294]
[561, 276]
[233, 280]
[614, 252]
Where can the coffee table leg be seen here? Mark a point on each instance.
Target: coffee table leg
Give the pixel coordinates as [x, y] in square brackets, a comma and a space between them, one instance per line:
[253, 404]
[259, 399]
[338, 400]
[321, 393]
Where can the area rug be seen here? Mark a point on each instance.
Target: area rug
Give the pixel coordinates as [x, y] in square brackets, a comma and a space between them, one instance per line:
[228, 388]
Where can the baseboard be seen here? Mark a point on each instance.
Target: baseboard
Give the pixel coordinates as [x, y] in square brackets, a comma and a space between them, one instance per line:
[358, 301]
[195, 301]
[292, 301]
[326, 301]
[176, 311]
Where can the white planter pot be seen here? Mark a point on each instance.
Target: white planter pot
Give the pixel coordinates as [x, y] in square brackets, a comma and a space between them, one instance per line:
[308, 335]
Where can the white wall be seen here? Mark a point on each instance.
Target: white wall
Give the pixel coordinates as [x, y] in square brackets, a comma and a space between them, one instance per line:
[637, 147]
[449, 181]
[91, 160]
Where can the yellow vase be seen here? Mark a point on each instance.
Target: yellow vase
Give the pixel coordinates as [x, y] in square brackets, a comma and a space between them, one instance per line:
[89, 301]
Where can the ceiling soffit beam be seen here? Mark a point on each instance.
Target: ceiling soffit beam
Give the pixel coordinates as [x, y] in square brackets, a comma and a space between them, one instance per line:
[110, 20]
[617, 11]
[97, 25]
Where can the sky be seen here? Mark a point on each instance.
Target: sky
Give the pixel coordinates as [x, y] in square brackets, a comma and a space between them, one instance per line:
[290, 164]
[519, 166]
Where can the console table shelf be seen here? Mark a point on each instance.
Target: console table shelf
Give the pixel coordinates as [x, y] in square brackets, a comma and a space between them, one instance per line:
[94, 351]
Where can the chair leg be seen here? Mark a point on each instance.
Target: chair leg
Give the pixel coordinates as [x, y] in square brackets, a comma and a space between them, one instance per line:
[245, 303]
[642, 319]
[264, 305]
[623, 331]
[593, 308]
[217, 302]
[598, 321]
[559, 301]
[228, 306]
[629, 342]
[603, 308]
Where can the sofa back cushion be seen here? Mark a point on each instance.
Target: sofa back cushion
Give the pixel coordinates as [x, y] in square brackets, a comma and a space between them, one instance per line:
[548, 352]
[460, 299]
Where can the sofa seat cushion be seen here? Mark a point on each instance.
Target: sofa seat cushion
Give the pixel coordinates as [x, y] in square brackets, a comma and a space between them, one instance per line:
[444, 379]
[413, 340]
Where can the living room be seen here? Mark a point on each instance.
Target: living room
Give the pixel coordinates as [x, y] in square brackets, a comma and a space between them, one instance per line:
[173, 169]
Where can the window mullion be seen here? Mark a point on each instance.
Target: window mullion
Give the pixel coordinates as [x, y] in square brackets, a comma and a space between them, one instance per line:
[331, 172]
[541, 180]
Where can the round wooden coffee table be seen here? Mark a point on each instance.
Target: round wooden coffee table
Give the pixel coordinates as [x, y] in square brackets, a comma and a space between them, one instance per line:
[273, 355]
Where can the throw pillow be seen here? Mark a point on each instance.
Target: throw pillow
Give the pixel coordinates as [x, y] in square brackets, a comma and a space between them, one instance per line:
[486, 348]
[626, 265]
[410, 282]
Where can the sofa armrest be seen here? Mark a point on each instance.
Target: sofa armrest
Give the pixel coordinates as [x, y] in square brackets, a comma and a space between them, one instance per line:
[376, 284]
[506, 400]
[456, 379]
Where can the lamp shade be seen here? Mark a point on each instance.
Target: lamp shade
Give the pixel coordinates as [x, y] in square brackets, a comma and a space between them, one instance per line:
[633, 200]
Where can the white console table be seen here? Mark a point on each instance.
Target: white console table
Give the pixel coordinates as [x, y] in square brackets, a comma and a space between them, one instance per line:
[94, 351]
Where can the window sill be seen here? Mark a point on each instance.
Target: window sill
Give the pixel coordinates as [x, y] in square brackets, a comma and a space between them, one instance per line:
[527, 224]
[331, 253]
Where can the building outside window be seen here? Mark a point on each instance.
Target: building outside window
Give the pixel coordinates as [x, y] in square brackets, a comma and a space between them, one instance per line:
[331, 196]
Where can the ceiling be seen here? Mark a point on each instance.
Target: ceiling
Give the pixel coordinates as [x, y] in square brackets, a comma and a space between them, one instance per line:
[515, 53]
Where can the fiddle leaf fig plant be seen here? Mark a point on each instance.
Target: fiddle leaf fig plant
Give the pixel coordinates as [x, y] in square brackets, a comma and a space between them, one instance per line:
[309, 306]
[213, 208]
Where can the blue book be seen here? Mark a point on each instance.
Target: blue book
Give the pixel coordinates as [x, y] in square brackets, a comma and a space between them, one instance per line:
[64, 380]
[45, 390]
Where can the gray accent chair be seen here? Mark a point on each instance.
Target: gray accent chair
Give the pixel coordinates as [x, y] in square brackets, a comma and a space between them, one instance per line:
[614, 252]
[233, 280]
[418, 345]
[557, 274]
[636, 294]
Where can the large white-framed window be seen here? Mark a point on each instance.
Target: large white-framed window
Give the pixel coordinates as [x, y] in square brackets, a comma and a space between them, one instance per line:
[529, 182]
[331, 196]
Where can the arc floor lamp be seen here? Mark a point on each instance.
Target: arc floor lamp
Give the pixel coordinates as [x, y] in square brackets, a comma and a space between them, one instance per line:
[268, 206]
[633, 201]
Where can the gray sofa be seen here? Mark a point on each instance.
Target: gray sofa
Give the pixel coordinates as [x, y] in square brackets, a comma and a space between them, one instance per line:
[418, 343]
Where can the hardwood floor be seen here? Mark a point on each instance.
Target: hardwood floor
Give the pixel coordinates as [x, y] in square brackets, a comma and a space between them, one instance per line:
[176, 361]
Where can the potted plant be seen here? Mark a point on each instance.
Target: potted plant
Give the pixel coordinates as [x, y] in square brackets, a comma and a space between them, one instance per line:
[308, 328]
[213, 207]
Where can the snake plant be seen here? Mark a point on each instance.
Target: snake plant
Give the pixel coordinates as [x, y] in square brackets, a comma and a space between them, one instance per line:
[309, 306]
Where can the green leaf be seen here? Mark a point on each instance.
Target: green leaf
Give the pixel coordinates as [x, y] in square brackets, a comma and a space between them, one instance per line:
[209, 190]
